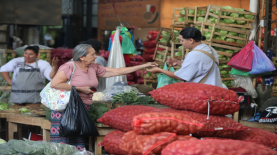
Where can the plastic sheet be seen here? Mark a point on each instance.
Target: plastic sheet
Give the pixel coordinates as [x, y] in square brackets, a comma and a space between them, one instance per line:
[246, 83]
[116, 60]
[76, 120]
[117, 88]
[243, 60]
[261, 63]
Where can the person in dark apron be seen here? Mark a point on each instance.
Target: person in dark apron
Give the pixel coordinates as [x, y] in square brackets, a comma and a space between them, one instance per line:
[29, 76]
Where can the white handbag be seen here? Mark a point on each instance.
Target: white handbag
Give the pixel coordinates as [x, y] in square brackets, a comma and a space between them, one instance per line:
[56, 99]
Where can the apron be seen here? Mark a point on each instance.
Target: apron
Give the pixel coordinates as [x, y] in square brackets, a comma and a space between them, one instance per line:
[27, 86]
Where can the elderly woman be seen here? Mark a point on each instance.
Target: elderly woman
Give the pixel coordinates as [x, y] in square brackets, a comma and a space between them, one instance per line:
[85, 76]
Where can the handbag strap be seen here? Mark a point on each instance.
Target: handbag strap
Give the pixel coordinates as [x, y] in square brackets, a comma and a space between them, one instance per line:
[72, 72]
[203, 80]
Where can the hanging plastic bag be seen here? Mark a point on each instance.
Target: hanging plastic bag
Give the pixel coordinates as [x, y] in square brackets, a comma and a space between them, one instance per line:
[164, 79]
[261, 63]
[246, 83]
[243, 60]
[76, 120]
[239, 72]
[116, 60]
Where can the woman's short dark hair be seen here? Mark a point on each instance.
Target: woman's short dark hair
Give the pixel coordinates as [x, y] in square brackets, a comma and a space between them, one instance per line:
[192, 32]
[35, 49]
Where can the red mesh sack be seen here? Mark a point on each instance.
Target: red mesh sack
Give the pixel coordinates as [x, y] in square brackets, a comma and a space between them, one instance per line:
[150, 123]
[148, 57]
[140, 81]
[258, 136]
[185, 137]
[134, 63]
[149, 51]
[137, 74]
[243, 60]
[218, 138]
[130, 82]
[215, 147]
[130, 77]
[149, 44]
[121, 118]
[197, 97]
[152, 35]
[215, 126]
[136, 144]
[112, 141]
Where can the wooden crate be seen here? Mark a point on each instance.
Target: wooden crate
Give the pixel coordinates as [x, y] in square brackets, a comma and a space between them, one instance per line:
[160, 34]
[174, 49]
[165, 54]
[4, 53]
[219, 16]
[176, 15]
[47, 52]
[204, 8]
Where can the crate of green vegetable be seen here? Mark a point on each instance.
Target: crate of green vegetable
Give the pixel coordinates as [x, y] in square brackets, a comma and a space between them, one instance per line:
[161, 56]
[183, 16]
[164, 36]
[6, 55]
[45, 54]
[228, 16]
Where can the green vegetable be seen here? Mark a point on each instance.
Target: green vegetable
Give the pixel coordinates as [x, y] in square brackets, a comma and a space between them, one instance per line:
[235, 15]
[132, 98]
[226, 66]
[97, 110]
[212, 20]
[210, 27]
[248, 16]
[200, 19]
[223, 72]
[180, 47]
[227, 8]
[3, 106]
[238, 9]
[223, 32]
[178, 54]
[242, 35]
[229, 21]
[183, 12]
[2, 141]
[241, 22]
[230, 39]
[222, 58]
[167, 57]
[233, 34]
[24, 110]
[148, 74]
[191, 12]
[229, 51]
[240, 41]
[176, 33]
[198, 27]
[181, 19]
[208, 35]
[163, 40]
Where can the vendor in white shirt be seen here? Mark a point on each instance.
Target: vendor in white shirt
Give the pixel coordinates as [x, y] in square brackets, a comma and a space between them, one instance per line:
[200, 65]
[28, 76]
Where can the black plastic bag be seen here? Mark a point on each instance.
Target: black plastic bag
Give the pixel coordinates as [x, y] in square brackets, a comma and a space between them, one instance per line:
[76, 121]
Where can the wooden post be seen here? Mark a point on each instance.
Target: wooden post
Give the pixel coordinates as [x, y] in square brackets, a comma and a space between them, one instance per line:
[98, 150]
[12, 129]
[261, 29]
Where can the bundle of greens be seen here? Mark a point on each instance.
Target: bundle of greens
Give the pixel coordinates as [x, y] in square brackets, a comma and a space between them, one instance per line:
[4, 106]
[131, 98]
[97, 110]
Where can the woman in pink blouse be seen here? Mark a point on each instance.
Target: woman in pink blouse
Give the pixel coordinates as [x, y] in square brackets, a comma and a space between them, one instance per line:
[85, 76]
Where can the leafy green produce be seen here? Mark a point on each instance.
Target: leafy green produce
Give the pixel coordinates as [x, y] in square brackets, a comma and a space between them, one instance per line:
[229, 51]
[191, 12]
[210, 27]
[230, 39]
[222, 58]
[241, 22]
[228, 58]
[2, 141]
[242, 35]
[198, 27]
[201, 12]
[176, 33]
[248, 16]
[24, 110]
[229, 21]
[180, 47]
[3, 106]
[235, 15]
[226, 66]
[212, 20]
[132, 98]
[30, 147]
[181, 19]
[163, 40]
[167, 57]
[217, 30]
[6, 149]
[223, 72]
[240, 41]
[238, 9]
[183, 12]
[233, 34]
[178, 54]
[200, 19]
[227, 8]
[97, 110]
[223, 32]
[208, 35]
[148, 74]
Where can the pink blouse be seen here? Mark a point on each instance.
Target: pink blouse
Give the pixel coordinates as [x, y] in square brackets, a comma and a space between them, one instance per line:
[82, 79]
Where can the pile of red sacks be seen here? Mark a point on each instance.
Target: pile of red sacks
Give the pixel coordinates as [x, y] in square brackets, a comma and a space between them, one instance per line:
[150, 46]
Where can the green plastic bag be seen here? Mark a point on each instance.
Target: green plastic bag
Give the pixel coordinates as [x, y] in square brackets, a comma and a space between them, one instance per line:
[164, 79]
[239, 72]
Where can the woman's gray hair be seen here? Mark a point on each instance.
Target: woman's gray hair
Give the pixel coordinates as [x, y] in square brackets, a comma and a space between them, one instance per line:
[79, 51]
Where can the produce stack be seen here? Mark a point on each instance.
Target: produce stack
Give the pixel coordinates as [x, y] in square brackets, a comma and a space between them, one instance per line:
[63, 54]
[197, 110]
[150, 46]
[45, 54]
[135, 77]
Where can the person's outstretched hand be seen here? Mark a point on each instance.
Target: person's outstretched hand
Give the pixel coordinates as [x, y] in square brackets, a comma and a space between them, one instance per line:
[172, 62]
[151, 64]
[55, 62]
[154, 70]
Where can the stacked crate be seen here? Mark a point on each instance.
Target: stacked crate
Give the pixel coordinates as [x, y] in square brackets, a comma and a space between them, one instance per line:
[45, 54]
